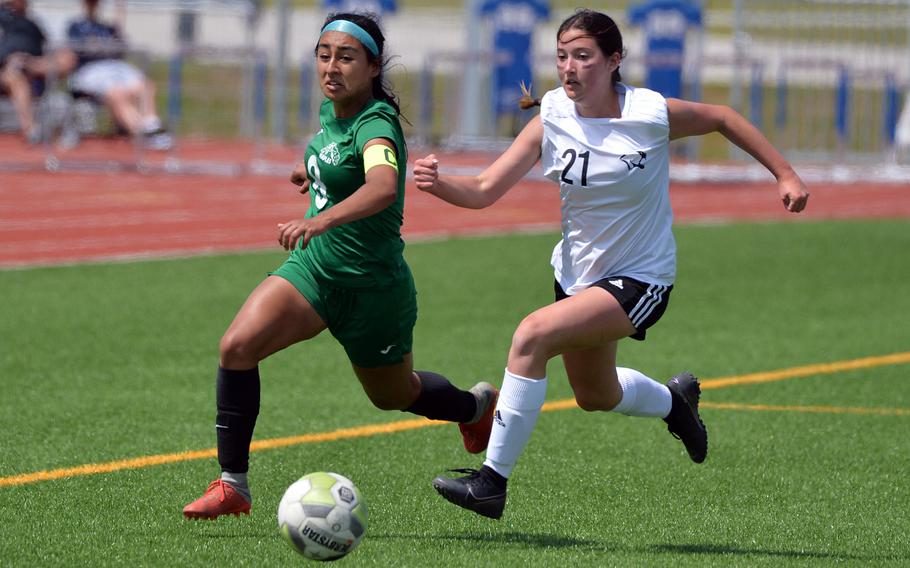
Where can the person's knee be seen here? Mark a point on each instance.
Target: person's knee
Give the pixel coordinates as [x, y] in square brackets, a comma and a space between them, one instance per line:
[387, 402]
[12, 79]
[530, 338]
[66, 61]
[393, 393]
[237, 351]
[117, 96]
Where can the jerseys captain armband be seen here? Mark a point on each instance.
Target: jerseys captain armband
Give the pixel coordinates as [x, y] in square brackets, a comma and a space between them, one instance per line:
[379, 155]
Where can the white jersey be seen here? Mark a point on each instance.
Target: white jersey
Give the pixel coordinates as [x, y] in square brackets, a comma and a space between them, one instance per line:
[614, 180]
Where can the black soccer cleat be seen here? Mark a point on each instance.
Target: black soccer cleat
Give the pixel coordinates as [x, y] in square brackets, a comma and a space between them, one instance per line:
[683, 421]
[479, 491]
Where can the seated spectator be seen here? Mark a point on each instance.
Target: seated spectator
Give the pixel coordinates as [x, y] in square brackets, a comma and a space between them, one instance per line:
[102, 74]
[24, 67]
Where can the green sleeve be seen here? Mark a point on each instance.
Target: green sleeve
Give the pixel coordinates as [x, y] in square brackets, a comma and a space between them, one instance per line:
[378, 125]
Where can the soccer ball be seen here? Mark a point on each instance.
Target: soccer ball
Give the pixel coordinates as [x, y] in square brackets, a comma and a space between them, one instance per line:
[322, 515]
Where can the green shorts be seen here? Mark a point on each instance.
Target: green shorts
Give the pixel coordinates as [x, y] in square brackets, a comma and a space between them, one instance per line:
[374, 325]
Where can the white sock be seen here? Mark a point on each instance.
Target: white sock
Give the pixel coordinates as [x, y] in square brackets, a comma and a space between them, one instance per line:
[238, 482]
[151, 124]
[516, 413]
[641, 395]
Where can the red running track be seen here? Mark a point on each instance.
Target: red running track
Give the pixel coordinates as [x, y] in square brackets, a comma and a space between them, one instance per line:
[56, 218]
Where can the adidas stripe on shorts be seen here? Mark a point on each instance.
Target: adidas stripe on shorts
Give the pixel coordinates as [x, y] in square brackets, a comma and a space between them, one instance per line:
[644, 303]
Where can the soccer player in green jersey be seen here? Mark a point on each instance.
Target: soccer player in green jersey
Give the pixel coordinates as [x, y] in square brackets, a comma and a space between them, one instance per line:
[345, 271]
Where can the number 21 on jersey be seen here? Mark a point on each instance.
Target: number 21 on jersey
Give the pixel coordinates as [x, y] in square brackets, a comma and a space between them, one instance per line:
[570, 176]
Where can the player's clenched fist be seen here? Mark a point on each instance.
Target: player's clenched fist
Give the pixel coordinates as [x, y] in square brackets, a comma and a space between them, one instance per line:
[299, 178]
[426, 172]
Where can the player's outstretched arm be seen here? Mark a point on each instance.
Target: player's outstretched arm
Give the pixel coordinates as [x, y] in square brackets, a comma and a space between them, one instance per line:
[695, 119]
[483, 190]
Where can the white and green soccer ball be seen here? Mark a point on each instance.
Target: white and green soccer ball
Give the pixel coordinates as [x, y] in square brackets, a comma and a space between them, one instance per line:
[322, 515]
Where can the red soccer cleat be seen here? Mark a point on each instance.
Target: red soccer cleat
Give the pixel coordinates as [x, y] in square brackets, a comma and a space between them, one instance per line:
[476, 434]
[219, 499]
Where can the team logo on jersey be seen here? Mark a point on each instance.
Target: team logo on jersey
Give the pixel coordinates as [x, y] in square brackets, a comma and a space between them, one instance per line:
[330, 154]
[633, 161]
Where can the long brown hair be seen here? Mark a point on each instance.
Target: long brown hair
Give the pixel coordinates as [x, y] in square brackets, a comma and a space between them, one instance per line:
[599, 26]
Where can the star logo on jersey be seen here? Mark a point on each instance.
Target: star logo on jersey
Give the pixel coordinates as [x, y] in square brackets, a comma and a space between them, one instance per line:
[330, 154]
[632, 161]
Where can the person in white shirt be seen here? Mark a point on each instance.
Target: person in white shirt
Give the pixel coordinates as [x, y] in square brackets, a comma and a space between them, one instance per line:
[606, 145]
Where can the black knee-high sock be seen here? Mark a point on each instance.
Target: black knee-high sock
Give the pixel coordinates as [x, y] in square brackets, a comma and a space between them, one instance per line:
[237, 398]
[441, 400]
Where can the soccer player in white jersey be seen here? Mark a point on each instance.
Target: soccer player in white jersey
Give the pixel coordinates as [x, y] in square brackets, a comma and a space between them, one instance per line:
[606, 145]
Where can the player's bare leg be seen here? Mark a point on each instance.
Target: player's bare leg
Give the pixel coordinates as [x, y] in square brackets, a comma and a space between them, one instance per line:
[274, 316]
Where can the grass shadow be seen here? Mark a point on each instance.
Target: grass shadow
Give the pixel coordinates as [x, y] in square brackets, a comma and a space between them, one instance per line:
[550, 541]
[718, 549]
[506, 538]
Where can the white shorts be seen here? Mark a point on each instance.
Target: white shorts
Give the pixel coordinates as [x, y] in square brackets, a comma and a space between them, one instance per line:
[99, 77]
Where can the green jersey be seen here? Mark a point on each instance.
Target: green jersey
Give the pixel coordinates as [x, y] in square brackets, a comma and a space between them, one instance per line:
[368, 252]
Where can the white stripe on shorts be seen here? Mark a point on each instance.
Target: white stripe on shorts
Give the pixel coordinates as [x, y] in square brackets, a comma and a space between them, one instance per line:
[646, 304]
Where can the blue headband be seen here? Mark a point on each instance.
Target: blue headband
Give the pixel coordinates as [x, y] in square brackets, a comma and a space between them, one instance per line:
[352, 29]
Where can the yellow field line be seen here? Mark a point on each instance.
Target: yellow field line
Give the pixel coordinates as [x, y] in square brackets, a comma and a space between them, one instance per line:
[808, 371]
[403, 425]
[160, 459]
[878, 411]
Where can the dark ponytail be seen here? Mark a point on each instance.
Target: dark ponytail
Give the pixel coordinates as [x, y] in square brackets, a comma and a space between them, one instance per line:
[382, 91]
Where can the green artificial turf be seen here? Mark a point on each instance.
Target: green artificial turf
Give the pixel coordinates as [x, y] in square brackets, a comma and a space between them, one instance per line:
[117, 361]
